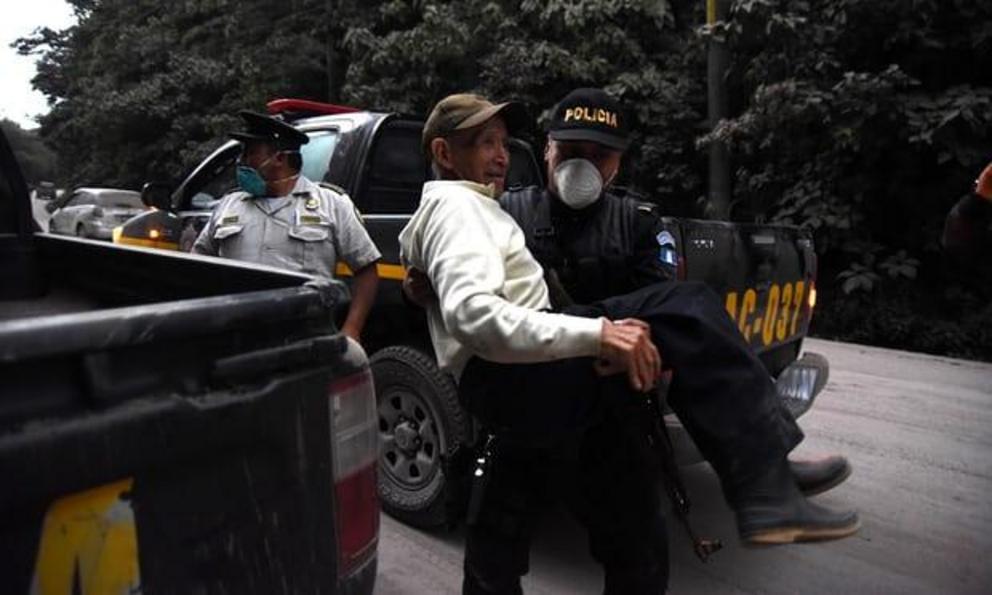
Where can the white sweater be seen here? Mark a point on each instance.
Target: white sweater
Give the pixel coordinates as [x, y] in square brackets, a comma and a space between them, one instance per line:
[490, 289]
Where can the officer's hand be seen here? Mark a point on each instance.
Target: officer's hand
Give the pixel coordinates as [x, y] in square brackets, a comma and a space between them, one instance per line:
[625, 345]
[417, 287]
[983, 185]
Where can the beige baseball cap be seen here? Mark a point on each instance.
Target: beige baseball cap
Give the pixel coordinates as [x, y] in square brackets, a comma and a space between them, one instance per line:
[465, 110]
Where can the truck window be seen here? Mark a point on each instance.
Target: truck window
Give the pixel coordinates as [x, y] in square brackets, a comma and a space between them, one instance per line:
[317, 154]
[221, 179]
[396, 171]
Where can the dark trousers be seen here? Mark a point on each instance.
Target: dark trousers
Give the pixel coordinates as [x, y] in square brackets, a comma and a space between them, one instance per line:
[720, 390]
[607, 478]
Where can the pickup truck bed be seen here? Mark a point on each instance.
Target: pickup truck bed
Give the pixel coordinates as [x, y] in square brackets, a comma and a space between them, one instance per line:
[176, 424]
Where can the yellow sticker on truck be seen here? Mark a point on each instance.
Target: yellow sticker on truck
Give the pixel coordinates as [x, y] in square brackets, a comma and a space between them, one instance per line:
[89, 545]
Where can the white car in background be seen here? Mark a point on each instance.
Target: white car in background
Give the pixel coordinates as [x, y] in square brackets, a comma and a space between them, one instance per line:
[93, 212]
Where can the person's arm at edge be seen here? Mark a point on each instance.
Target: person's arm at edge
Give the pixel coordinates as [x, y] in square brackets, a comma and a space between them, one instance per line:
[363, 290]
[967, 218]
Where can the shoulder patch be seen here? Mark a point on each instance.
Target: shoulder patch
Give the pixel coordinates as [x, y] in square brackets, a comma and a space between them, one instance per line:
[667, 251]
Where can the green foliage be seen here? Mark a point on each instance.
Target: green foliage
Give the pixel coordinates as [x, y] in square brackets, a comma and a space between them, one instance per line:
[860, 119]
[37, 161]
[141, 89]
[419, 51]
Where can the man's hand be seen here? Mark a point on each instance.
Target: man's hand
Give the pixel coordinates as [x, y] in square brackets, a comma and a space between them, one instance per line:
[983, 185]
[626, 345]
[417, 287]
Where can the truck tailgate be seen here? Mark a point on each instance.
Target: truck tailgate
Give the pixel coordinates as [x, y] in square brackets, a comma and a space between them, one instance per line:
[764, 273]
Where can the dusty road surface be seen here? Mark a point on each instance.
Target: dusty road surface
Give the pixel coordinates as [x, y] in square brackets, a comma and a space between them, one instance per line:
[918, 430]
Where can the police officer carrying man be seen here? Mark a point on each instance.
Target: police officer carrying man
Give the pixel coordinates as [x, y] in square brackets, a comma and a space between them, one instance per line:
[598, 244]
[593, 245]
[282, 219]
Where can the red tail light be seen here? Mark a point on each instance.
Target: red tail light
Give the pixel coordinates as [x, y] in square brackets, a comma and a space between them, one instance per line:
[355, 436]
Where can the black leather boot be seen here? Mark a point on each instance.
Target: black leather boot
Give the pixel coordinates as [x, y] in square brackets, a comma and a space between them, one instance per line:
[771, 510]
[815, 476]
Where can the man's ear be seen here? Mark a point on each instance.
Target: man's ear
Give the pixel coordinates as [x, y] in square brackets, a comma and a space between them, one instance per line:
[441, 153]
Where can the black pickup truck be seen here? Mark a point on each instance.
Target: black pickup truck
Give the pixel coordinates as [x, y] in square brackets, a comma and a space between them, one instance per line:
[176, 424]
[766, 274]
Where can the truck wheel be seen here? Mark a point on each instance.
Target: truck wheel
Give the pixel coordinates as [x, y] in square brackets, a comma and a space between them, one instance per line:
[419, 421]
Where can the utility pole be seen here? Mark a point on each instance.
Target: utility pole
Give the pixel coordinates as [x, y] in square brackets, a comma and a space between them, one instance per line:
[717, 64]
[332, 83]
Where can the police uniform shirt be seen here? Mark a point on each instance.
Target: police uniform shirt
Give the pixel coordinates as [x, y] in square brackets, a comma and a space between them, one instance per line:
[309, 230]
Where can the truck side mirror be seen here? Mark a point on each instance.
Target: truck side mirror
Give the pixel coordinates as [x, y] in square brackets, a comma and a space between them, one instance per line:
[158, 195]
[45, 191]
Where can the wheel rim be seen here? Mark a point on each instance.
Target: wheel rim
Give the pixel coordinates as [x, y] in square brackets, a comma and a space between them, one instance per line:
[409, 438]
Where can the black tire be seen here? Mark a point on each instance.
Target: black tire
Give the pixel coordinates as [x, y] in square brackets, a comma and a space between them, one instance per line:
[420, 424]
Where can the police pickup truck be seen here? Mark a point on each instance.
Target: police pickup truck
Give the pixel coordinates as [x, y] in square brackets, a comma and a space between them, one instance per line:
[765, 273]
[176, 424]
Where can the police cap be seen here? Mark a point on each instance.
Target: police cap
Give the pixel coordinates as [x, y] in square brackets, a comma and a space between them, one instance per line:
[465, 110]
[266, 129]
[590, 115]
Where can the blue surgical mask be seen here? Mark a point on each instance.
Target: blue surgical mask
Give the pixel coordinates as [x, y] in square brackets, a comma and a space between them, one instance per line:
[251, 181]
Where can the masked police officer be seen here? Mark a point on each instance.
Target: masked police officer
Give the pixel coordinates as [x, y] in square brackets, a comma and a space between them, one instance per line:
[282, 219]
[593, 243]
[598, 244]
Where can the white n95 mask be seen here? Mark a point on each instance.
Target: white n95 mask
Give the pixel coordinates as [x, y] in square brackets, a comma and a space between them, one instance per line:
[579, 182]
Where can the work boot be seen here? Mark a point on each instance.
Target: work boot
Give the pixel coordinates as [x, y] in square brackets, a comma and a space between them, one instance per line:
[815, 476]
[771, 510]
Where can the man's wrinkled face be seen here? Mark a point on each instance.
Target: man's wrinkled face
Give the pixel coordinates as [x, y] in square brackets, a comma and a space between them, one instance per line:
[481, 154]
[606, 159]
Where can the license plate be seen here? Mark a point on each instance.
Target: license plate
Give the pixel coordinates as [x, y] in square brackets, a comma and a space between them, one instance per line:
[772, 315]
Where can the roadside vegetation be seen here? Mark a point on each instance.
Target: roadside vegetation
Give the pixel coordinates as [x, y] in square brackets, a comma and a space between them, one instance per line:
[862, 119]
